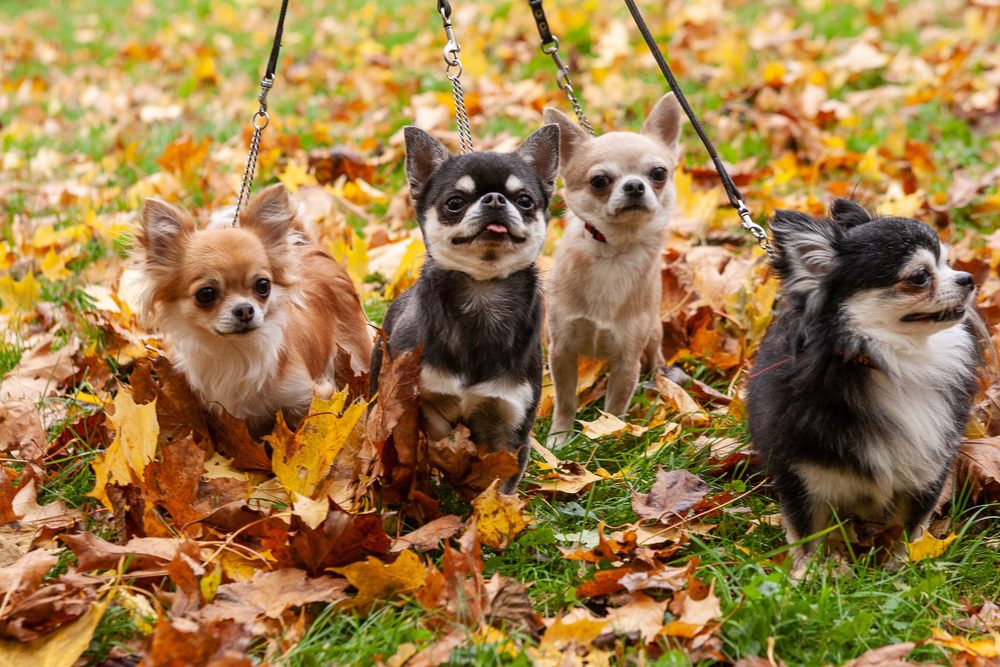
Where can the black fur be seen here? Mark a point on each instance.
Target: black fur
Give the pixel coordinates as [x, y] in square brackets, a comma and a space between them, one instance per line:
[812, 395]
[478, 330]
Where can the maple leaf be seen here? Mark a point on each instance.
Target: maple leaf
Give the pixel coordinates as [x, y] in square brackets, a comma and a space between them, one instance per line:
[376, 580]
[885, 656]
[429, 535]
[302, 459]
[136, 432]
[499, 516]
[184, 156]
[18, 296]
[61, 648]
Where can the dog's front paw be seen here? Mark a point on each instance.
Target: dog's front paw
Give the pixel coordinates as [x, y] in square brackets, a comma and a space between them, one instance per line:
[559, 435]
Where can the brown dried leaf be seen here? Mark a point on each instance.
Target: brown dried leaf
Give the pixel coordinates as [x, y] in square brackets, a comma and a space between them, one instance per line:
[270, 594]
[40, 372]
[978, 466]
[673, 493]
[428, 536]
[885, 656]
[186, 641]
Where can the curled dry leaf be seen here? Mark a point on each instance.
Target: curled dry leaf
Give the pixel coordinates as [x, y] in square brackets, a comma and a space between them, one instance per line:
[40, 372]
[187, 641]
[143, 555]
[609, 424]
[499, 517]
[673, 493]
[642, 616]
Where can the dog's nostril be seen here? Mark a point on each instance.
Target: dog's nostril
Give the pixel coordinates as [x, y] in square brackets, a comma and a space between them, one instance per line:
[243, 312]
[964, 279]
[494, 200]
[634, 187]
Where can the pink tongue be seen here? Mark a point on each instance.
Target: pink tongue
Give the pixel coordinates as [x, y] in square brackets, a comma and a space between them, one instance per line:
[499, 229]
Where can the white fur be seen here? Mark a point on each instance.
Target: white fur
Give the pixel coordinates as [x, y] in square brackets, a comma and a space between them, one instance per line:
[811, 256]
[466, 184]
[240, 372]
[909, 395]
[467, 258]
[515, 397]
[513, 183]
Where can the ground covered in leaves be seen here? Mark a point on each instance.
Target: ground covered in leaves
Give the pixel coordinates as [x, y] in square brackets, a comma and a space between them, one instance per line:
[133, 526]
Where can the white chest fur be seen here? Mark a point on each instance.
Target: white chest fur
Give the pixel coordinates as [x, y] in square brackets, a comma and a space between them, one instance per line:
[915, 401]
[458, 399]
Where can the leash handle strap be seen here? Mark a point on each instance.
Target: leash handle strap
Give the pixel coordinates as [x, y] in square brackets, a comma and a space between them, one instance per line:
[734, 194]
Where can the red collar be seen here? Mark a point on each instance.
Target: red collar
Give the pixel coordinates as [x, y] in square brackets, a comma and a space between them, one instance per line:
[596, 233]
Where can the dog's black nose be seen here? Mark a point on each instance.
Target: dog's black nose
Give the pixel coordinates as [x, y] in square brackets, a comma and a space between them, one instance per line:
[634, 188]
[243, 312]
[493, 200]
[964, 279]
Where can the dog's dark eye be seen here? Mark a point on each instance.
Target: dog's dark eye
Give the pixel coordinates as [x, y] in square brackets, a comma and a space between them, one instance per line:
[525, 202]
[599, 182]
[205, 296]
[919, 278]
[455, 204]
[262, 286]
[658, 174]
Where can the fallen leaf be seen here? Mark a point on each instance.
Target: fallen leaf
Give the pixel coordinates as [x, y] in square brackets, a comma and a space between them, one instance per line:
[928, 546]
[429, 536]
[985, 647]
[885, 656]
[608, 424]
[62, 648]
[673, 493]
[499, 516]
[136, 432]
[977, 465]
[376, 580]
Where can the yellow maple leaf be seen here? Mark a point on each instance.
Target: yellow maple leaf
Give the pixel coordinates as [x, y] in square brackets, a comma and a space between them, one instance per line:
[928, 546]
[693, 203]
[302, 459]
[353, 255]
[295, 176]
[376, 580]
[53, 266]
[499, 516]
[18, 296]
[407, 271]
[136, 432]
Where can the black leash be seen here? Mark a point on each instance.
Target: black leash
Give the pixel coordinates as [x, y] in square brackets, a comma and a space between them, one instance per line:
[260, 118]
[550, 47]
[734, 194]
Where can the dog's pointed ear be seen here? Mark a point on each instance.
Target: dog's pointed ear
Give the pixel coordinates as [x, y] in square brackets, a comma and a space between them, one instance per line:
[269, 215]
[164, 230]
[424, 154]
[806, 250]
[571, 135]
[541, 151]
[664, 121]
[849, 213]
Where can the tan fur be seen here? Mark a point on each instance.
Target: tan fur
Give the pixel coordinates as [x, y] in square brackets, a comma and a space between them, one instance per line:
[603, 298]
[291, 344]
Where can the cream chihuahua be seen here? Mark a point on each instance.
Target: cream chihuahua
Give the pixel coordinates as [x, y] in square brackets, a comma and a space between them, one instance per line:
[604, 293]
[253, 313]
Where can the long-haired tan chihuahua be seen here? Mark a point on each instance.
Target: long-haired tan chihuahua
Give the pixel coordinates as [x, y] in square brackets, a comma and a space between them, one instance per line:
[604, 293]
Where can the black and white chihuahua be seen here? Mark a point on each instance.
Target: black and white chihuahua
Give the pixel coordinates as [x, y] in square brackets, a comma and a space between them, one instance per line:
[476, 310]
[863, 384]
